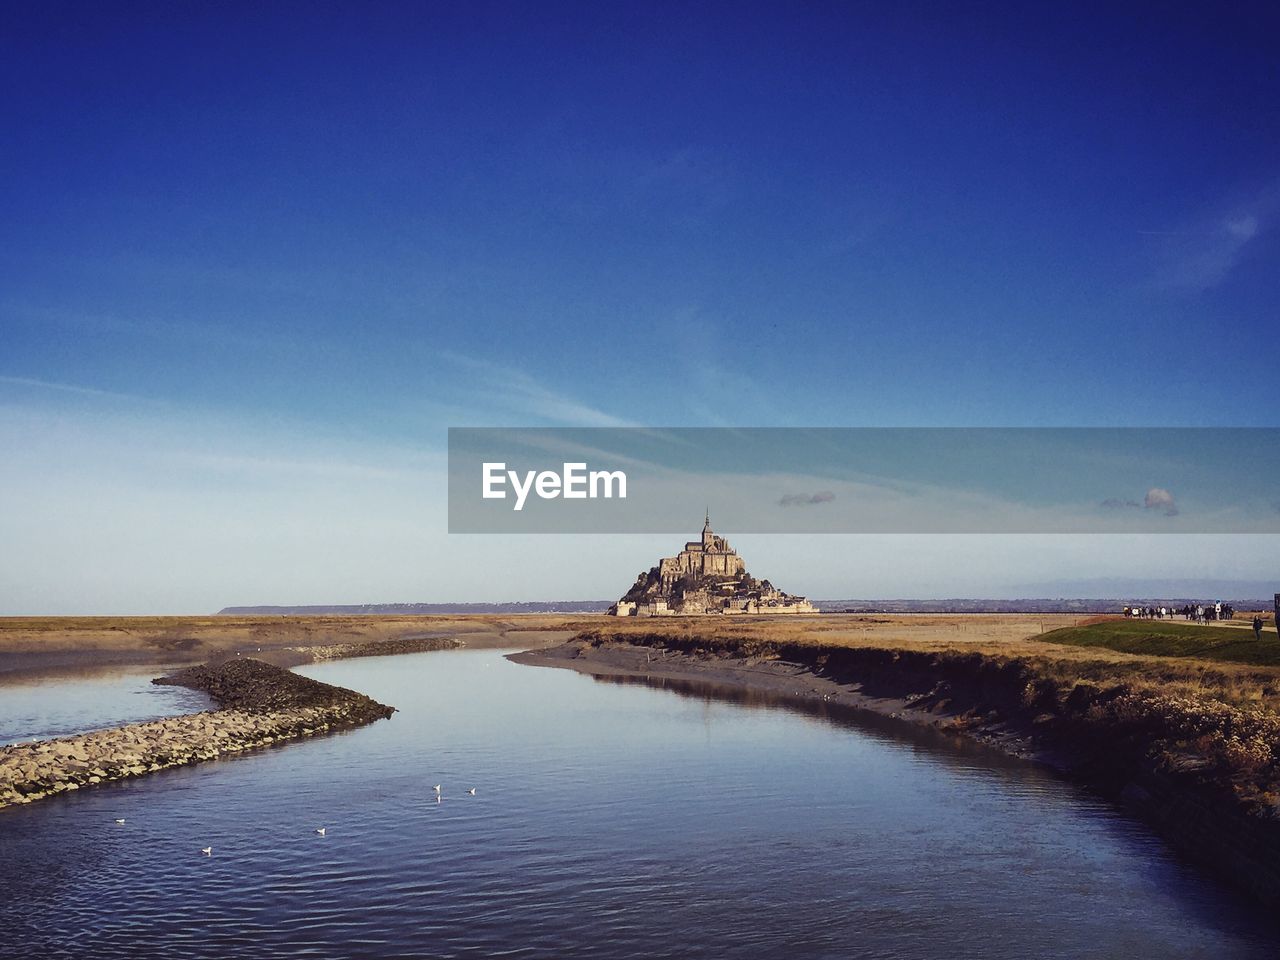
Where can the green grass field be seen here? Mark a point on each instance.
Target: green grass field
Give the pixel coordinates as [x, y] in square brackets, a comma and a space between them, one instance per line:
[1174, 639]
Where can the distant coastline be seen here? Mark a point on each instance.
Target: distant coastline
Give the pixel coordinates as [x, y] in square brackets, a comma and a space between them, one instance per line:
[1083, 605]
[418, 609]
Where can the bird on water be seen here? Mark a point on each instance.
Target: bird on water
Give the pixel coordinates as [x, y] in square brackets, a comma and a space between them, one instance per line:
[320, 830]
[472, 791]
[119, 819]
[207, 851]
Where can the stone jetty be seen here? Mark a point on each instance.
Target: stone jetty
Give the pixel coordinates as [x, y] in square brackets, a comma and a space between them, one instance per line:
[259, 704]
[319, 653]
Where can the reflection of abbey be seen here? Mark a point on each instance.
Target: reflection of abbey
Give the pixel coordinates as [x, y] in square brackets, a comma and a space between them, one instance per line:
[707, 576]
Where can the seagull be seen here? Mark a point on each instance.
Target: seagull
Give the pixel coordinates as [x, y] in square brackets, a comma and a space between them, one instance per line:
[119, 819]
[472, 791]
[436, 788]
[320, 830]
[207, 851]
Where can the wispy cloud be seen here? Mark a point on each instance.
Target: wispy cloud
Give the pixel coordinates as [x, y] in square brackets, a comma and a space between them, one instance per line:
[518, 394]
[66, 388]
[1203, 253]
[1157, 499]
[806, 499]
[169, 328]
[324, 469]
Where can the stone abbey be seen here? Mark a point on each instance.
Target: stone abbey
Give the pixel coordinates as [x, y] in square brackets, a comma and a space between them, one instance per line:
[706, 577]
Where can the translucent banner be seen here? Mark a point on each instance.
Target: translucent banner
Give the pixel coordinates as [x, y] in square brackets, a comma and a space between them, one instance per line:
[865, 480]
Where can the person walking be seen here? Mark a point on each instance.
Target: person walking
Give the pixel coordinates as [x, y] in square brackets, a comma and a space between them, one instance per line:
[1257, 628]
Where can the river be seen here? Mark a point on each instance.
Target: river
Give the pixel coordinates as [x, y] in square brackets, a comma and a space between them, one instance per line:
[608, 820]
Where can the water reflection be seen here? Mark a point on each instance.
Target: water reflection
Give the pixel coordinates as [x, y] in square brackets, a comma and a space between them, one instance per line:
[78, 699]
[826, 712]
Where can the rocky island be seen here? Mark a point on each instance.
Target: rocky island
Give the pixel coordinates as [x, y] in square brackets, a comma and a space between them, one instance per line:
[706, 577]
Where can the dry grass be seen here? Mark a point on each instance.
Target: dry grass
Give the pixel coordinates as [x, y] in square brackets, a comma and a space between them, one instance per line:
[1013, 636]
[202, 636]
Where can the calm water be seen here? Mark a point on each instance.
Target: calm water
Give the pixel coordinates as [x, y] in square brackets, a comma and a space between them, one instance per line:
[610, 820]
[77, 701]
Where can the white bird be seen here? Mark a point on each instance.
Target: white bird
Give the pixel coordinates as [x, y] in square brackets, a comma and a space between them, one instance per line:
[207, 851]
[320, 830]
[436, 788]
[472, 791]
[119, 819]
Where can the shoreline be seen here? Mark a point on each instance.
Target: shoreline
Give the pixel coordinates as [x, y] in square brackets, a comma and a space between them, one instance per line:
[258, 705]
[1084, 733]
[787, 681]
[32, 647]
[260, 702]
[69, 654]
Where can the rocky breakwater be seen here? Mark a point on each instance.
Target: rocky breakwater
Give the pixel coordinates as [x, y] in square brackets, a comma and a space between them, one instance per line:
[259, 705]
[375, 648]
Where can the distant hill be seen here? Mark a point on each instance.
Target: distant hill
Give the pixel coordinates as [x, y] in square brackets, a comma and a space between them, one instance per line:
[385, 609]
[1105, 601]
[1132, 588]
[1036, 604]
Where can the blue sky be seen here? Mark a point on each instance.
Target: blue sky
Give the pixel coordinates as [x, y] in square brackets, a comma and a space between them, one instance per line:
[258, 258]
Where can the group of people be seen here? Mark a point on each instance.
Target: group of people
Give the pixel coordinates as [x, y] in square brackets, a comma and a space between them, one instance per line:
[1199, 612]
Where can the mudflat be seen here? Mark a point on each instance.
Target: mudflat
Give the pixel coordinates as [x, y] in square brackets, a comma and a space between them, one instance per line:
[34, 646]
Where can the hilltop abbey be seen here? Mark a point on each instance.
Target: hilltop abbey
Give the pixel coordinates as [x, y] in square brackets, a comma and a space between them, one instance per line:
[706, 577]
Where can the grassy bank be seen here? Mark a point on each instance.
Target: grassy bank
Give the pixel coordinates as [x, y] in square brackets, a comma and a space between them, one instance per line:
[1173, 639]
[1029, 639]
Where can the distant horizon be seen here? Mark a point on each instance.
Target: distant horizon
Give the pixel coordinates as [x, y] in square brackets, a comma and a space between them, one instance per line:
[1096, 591]
[1261, 593]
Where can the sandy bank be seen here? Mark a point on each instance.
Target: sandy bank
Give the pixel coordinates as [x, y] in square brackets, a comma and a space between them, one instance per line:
[51, 646]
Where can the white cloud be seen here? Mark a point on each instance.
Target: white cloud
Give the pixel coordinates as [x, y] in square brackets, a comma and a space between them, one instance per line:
[1158, 498]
